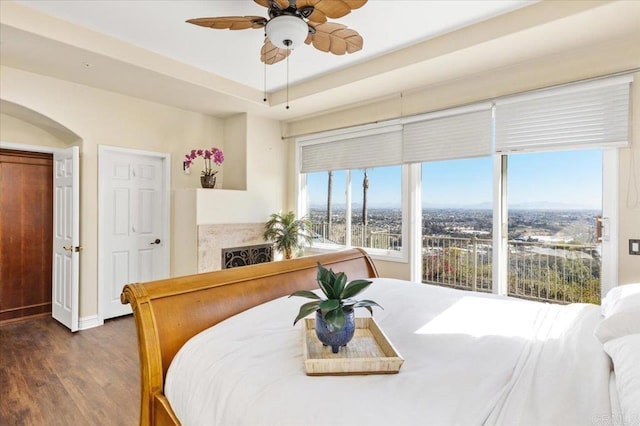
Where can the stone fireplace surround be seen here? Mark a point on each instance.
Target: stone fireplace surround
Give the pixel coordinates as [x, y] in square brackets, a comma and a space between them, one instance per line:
[213, 238]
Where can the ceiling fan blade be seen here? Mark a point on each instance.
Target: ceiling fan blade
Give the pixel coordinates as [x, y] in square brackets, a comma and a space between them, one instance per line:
[335, 38]
[355, 4]
[324, 9]
[230, 22]
[282, 4]
[270, 54]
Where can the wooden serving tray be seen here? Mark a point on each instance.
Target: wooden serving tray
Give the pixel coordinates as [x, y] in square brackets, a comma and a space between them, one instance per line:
[369, 352]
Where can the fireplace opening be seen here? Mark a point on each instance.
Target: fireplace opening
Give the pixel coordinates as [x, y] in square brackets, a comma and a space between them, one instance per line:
[247, 255]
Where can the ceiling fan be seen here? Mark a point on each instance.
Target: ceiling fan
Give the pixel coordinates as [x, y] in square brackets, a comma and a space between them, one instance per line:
[294, 22]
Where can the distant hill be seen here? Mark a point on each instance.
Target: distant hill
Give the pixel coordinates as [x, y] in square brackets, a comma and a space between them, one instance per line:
[536, 205]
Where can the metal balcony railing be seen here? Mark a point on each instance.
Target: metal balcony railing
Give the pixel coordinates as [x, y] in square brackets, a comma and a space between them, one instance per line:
[555, 272]
[361, 236]
[552, 272]
[457, 262]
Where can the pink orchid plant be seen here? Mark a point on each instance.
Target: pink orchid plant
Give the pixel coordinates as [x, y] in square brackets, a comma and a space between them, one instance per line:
[214, 155]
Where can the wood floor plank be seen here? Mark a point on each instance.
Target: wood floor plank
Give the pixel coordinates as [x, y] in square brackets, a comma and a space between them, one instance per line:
[51, 376]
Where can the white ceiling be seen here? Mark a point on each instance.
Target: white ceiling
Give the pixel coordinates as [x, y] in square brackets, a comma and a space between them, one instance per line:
[159, 26]
[144, 49]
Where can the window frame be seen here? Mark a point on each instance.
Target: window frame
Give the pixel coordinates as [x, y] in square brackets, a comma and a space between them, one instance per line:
[411, 251]
[401, 255]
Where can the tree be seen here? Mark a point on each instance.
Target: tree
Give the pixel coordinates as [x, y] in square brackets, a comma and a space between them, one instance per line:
[287, 233]
[365, 220]
[365, 188]
[329, 191]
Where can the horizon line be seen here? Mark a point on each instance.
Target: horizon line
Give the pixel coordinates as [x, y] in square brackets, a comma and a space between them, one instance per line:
[512, 207]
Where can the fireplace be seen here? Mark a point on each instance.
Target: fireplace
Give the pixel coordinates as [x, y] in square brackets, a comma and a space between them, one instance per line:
[247, 255]
[214, 238]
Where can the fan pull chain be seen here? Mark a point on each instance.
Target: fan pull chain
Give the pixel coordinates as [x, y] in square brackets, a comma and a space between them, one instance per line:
[264, 96]
[287, 107]
[264, 79]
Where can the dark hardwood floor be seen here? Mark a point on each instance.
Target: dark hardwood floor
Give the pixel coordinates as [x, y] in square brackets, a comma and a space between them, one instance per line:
[50, 376]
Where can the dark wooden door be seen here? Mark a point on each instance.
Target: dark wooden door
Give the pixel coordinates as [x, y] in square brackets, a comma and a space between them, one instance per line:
[26, 232]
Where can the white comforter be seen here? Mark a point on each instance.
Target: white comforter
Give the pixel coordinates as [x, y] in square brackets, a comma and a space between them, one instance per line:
[470, 359]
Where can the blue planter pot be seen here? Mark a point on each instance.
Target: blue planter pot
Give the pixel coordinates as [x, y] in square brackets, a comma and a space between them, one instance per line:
[336, 338]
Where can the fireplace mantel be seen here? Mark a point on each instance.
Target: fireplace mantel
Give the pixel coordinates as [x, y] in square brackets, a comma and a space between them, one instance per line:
[211, 219]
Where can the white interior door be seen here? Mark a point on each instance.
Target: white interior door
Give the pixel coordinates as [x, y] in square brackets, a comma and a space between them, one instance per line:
[66, 236]
[133, 224]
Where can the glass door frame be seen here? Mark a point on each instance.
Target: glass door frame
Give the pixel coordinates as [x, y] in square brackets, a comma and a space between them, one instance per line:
[609, 243]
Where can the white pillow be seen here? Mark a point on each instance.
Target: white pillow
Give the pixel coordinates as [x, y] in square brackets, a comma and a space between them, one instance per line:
[625, 354]
[621, 311]
[615, 295]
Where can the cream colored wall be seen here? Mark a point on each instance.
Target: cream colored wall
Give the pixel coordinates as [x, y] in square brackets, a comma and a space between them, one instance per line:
[235, 137]
[257, 142]
[399, 270]
[185, 260]
[267, 163]
[593, 61]
[600, 59]
[18, 131]
[629, 195]
[266, 166]
[105, 118]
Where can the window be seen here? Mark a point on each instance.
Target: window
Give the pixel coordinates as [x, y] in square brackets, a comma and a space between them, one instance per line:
[460, 221]
[533, 263]
[327, 213]
[355, 212]
[554, 202]
[457, 221]
[376, 208]
[361, 212]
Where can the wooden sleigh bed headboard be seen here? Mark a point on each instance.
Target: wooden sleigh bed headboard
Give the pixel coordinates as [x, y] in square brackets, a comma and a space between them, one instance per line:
[169, 312]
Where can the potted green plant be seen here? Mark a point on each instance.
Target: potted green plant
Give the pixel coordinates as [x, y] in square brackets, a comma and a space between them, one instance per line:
[287, 233]
[335, 318]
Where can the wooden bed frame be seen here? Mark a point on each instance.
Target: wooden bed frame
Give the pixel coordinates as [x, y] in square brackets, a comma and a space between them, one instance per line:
[169, 312]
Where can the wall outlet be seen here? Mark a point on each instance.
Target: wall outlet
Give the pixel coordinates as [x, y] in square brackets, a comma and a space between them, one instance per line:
[634, 247]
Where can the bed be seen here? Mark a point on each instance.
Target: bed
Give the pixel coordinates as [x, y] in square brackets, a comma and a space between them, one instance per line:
[470, 358]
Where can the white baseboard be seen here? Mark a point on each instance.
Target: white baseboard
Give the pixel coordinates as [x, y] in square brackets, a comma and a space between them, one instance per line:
[89, 322]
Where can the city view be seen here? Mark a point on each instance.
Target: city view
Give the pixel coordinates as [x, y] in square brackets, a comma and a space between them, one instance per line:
[554, 199]
[553, 254]
[552, 226]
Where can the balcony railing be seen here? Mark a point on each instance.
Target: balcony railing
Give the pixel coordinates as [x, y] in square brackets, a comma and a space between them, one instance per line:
[555, 272]
[457, 262]
[361, 236]
[552, 272]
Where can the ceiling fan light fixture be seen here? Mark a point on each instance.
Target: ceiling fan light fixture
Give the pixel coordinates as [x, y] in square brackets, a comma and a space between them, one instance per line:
[287, 32]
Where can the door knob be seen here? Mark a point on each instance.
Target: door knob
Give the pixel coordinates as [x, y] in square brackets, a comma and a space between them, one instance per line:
[157, 241]
[72, 249]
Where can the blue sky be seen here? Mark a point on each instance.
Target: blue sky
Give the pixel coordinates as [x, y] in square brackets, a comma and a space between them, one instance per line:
[571, 179]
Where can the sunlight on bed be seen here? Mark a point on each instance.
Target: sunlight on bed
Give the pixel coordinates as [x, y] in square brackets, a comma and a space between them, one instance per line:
[479, 317]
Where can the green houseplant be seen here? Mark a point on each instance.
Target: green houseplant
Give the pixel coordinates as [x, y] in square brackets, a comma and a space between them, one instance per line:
[335, 319]
[287, 233]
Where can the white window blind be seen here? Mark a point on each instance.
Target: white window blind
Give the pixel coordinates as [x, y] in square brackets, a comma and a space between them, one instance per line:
[588, 115]
[448, 135]
[355, 150]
